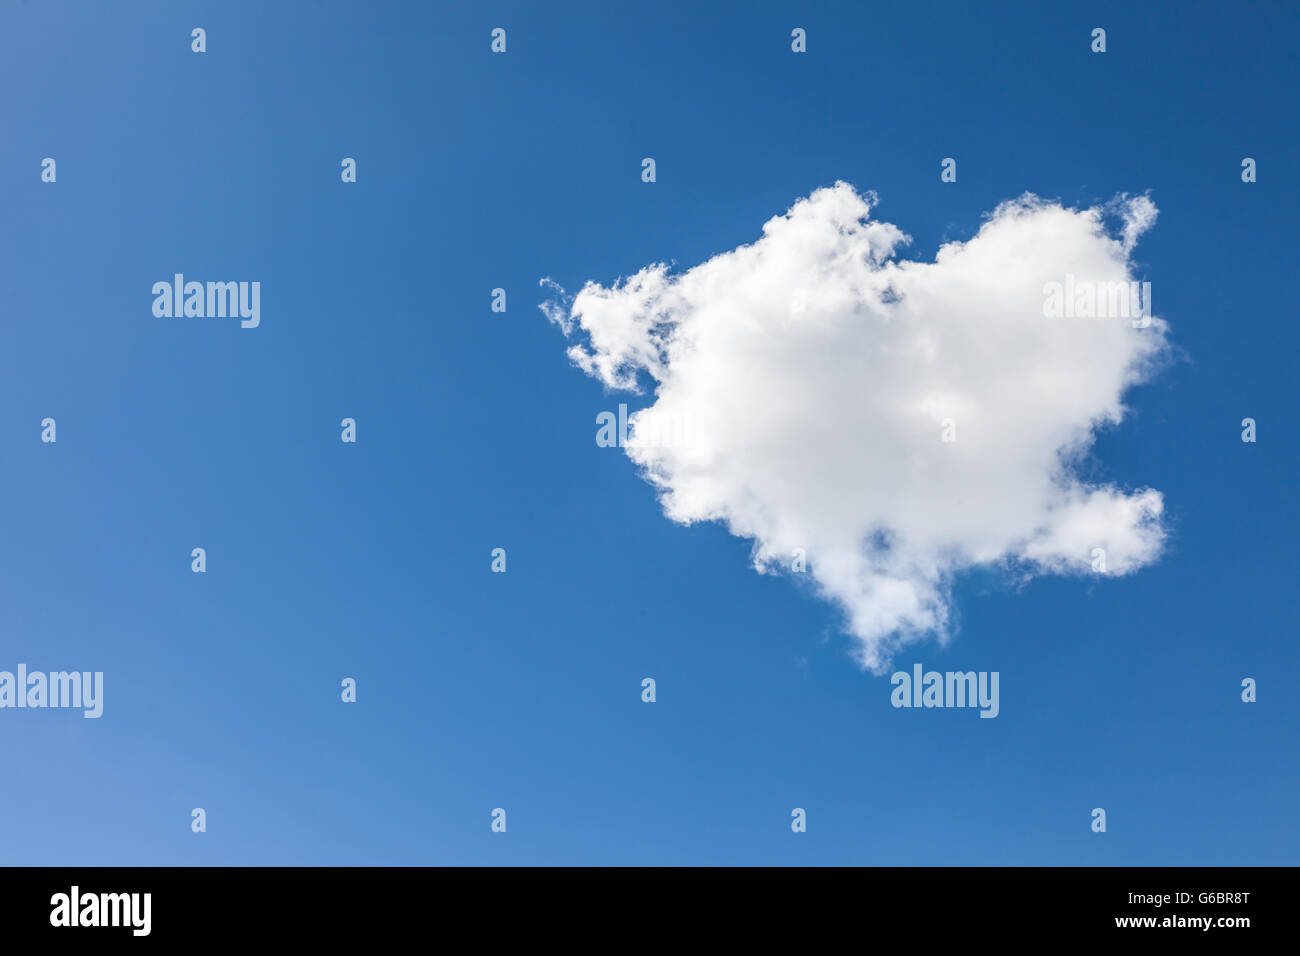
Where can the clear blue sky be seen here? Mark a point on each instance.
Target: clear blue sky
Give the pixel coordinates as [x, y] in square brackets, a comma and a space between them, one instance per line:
[522, 690]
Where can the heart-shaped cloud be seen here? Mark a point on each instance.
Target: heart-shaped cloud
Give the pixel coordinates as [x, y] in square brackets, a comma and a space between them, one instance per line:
[889, 422]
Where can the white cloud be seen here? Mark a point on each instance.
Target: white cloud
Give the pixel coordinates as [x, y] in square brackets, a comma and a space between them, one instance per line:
[817, 370]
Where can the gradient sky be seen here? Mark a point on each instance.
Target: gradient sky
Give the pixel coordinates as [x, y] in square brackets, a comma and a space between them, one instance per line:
[522, 690]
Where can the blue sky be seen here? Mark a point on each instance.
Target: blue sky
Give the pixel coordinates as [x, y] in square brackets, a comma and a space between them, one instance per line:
[522, 690]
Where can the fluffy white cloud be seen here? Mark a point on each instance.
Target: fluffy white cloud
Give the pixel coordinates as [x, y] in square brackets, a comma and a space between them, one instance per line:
[803, 385]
